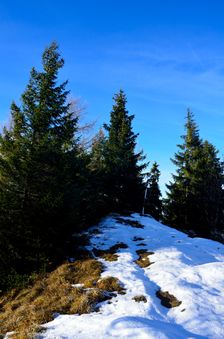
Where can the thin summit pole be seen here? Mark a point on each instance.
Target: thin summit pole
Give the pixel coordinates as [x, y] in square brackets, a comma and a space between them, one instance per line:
[145, 195]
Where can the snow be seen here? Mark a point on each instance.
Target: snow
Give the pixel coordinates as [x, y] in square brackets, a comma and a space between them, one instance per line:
[192, 269]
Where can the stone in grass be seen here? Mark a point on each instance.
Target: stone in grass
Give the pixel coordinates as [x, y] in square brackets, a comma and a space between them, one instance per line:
[139, 298]
[168, 300]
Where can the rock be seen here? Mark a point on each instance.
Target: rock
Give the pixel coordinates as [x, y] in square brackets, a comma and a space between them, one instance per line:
[168, 300]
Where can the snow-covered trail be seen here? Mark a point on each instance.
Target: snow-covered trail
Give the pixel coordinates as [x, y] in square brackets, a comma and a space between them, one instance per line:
[190, 269]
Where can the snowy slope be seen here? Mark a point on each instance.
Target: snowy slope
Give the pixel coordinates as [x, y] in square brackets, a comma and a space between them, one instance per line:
[190, 269]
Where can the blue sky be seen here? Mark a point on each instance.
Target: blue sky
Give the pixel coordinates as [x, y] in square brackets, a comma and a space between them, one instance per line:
[166, 55]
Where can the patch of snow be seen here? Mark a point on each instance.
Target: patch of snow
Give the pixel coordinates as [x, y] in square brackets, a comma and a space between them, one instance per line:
[77, 285]
[192, 269]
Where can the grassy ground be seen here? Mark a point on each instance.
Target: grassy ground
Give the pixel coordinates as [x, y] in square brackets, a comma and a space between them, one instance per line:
[24, 310]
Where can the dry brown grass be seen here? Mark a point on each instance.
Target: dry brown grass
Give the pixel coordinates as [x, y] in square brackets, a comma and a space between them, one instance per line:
[110, 253]
[139, 298]
[109, 256]
[23, 311]
[110, 284]
[168, 300]
[143, 259]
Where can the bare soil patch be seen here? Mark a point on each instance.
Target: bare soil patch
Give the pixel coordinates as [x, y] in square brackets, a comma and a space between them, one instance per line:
[143, 259]
[140, 298]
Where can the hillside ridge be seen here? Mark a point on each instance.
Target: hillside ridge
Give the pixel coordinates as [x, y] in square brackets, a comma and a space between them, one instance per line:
[173, 284]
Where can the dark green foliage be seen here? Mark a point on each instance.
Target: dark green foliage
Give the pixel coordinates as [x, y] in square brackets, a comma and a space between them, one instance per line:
[50, 185]
[124, 178]
[194, 198]
[153, 201]
[209, 191]
[39, 170]
[97, 156]
[95, 199]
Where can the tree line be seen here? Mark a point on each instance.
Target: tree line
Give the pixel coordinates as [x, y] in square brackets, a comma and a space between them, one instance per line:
[52, 185]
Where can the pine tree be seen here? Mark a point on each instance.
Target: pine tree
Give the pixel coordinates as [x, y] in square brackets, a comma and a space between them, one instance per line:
[97, 162]
[193, 198]
[153, 201]
[178, 199]
[39, 166]
[96, 205]
[124, 172]
[208, 189]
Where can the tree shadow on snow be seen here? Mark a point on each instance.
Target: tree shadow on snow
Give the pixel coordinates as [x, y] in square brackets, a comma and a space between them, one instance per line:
[141, 327]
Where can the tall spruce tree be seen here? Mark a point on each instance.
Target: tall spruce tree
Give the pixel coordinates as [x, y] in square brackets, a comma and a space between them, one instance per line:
[193, 198]
[177, 204]
[39, 167]
[97, 155]
[124, 186]
[153, 201]
[98, 204]
[209, 190]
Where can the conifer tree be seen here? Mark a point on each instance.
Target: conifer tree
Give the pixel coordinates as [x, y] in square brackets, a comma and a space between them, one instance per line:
[97, 200]
[208, 189]
[153, 201]
[177, 204]
[124, 186]
[97, 155]
[190, 205]
[39, 163]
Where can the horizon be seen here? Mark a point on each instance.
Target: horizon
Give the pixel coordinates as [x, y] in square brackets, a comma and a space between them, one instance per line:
[166, 58]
